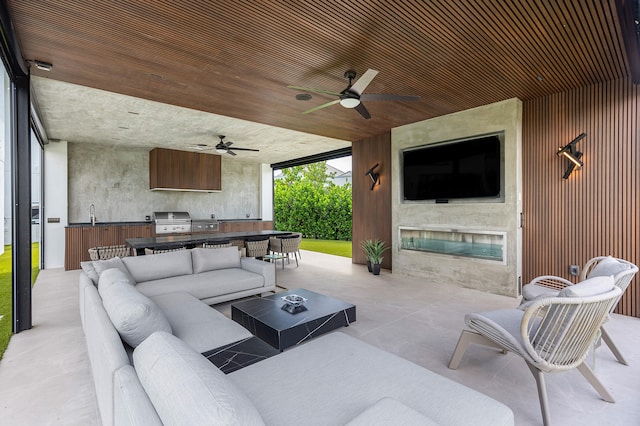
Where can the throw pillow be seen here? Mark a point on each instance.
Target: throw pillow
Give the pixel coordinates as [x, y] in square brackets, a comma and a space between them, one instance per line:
[185, 388]
[133, 314]
[102, 265]
[110, 277]
[589, 287]
[91, 272]
[608, 267]
[212, 259]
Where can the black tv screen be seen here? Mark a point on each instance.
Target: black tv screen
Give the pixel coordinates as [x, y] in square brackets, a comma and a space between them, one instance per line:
[465, 169]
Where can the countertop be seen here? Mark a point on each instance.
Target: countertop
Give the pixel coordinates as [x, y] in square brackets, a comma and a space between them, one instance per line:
[150, 222]
[84, 224]
[170, 241]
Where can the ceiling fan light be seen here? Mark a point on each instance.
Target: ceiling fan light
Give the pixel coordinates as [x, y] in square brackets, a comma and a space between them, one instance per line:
[221, 150]
[349, 102]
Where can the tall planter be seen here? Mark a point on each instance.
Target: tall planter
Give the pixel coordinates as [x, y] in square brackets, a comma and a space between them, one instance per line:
[375, 268]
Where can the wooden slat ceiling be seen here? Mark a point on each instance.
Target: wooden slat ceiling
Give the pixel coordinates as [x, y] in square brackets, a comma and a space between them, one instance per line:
[236, 58]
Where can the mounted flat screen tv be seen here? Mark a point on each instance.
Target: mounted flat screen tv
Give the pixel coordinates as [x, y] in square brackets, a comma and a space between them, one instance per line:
[467, 169]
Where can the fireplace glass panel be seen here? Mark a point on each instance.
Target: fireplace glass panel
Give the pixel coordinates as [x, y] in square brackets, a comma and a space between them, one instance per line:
[480, 245]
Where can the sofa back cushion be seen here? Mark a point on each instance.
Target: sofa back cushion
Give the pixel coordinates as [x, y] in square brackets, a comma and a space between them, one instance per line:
[133, 314]
[112, 276]
[131, 404]
[90, 271]
[185, 388]
[157, 266]
[210, 259]
[102, 265]
[106, 351]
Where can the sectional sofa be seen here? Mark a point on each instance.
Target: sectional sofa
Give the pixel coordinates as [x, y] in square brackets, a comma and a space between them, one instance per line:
[145, 354]
[212, 279]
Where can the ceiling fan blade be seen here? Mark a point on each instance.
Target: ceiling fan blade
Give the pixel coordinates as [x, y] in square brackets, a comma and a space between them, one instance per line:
[363, 111]
[322, 106]
[246, 149]
[309, 89]
[383, 97]
[363, 81]
[230, 152]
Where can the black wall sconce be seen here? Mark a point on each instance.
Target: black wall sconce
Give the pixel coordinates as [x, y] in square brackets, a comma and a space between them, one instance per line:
[572, 154]
[375, 177]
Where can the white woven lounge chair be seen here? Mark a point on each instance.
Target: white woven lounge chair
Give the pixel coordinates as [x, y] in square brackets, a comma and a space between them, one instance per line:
[552, 334]
[621, 271]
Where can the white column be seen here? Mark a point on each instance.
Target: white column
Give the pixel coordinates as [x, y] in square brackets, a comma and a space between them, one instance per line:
[266, 190]
[55, 203]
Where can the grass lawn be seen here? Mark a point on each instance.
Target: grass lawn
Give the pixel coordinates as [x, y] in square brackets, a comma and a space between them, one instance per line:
[6, 304]
[338, 248]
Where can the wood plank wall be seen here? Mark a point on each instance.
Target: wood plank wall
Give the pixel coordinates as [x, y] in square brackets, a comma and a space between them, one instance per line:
[597, 210]
[371, 209]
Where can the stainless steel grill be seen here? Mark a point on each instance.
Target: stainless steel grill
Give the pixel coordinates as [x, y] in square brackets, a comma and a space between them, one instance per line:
[172, 222]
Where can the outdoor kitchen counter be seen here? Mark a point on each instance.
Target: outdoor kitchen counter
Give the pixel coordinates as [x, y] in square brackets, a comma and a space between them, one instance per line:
[190, 241]
[83, 224]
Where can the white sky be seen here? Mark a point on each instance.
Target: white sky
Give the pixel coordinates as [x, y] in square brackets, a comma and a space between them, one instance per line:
[343, 163]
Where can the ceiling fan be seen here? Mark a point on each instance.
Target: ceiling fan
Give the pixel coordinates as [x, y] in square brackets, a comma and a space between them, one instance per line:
[222, 147]
[352, 96]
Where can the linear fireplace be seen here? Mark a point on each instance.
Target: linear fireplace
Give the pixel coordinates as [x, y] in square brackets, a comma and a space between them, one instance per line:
[487, 245]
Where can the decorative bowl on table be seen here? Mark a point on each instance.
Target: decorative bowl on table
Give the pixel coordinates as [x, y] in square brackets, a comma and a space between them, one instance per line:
[293, 303]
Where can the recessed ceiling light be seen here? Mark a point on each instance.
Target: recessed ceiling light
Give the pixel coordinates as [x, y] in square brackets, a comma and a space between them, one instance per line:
[303, 96]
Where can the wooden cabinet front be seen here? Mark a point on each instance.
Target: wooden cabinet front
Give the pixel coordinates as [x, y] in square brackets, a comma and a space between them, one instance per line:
[183, 170]
[78, 240]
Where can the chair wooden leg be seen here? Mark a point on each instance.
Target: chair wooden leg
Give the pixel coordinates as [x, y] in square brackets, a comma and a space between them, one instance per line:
[467, 337]
[296, 256]
[542, 394]
[593, 381]
[612, 346]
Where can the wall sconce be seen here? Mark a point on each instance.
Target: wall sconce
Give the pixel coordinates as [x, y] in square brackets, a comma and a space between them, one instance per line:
[375, 177]
[43, 66]
[572, 154]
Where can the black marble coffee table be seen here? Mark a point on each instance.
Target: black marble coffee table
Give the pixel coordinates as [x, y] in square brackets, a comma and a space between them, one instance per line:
[265, 318]
[237, 355]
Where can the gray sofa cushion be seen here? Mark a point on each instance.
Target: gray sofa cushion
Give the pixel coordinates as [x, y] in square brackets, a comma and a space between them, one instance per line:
[186, 388]
[158, 266]
[204, 284]
[91, 272]
[134, 315]
[388, 411]
[197, 324]
[340, 377]
[131, 404]
[102, 265]
[112, 276]
[210, 259]
[105, 349]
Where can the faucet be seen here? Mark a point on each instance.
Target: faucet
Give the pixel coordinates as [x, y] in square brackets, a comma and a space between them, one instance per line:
[92, 214]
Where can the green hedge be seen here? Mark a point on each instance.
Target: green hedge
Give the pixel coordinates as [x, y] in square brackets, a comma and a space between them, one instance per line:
[306, 201]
